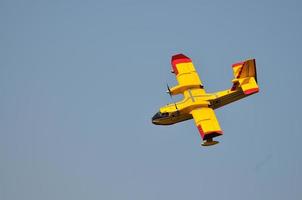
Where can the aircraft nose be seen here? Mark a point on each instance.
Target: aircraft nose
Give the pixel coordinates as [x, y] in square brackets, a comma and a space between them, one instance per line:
[156, 117]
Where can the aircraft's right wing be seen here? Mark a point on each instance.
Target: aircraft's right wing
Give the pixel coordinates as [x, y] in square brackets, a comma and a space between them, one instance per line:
[186, 75]
[184, 70]
[206, 122]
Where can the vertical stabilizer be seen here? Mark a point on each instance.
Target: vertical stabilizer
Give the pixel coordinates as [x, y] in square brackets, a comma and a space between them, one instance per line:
[245, 76]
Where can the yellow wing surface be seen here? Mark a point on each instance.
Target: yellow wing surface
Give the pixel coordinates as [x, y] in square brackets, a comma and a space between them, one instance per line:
[186, 75]
[206, 122]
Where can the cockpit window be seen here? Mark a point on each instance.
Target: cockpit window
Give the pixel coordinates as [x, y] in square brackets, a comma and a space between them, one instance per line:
[165, 114]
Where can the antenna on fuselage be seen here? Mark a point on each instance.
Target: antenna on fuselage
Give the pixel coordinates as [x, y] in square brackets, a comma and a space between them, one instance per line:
[169, 92]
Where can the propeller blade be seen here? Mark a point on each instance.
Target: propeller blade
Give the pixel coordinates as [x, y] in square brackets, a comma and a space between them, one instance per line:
[169, 91]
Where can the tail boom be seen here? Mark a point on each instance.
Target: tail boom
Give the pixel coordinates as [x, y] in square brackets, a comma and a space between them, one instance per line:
[244, 84]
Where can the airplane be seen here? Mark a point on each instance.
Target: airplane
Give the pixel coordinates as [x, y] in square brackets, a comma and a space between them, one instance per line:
[200, 105]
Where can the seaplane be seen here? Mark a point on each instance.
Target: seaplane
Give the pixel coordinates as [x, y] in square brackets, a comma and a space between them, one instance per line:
[200, 105]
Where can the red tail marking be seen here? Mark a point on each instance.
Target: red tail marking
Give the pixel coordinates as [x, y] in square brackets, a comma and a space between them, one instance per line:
[238, 76]
[236, 64]
[251, 91]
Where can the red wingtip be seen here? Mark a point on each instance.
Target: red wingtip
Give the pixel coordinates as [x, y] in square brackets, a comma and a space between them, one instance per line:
[212, 134]
[209, 134]
[179, 58]
[200, 131]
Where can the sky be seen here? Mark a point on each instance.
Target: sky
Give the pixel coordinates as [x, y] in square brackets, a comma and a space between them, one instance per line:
[80, 81]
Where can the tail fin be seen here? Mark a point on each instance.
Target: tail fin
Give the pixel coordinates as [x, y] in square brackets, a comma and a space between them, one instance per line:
[245, 69]
[245, 77]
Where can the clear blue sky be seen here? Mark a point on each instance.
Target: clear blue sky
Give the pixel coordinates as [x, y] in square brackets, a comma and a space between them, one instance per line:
[80, 81]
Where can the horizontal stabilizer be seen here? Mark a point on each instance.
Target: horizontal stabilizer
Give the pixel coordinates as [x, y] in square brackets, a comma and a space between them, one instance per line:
[245, 77]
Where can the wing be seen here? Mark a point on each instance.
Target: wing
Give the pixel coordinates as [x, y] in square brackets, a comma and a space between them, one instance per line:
[186, 75]
[206, 122]
[184, 70]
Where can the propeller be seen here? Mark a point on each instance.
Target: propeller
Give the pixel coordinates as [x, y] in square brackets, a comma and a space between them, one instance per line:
[169, 92]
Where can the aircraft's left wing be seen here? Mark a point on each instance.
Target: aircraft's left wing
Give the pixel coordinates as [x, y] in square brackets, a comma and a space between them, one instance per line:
[206, 122]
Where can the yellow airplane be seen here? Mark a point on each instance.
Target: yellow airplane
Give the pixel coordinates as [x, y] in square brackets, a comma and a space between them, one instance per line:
[200, 105]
